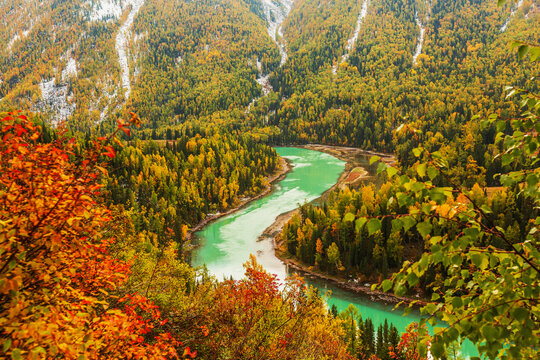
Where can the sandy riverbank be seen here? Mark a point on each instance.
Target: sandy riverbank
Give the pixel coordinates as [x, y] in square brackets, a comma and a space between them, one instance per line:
[354, 173]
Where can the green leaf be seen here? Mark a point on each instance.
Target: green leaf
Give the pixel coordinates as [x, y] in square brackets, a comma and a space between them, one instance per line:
[397, 225]
[507, 159]
[12, 264]
[432, 172]
[403, 199]
[522, 51]
[412, 279]
[457, 302]
[408, 222]
[381, 167]
[490, 332]
[422, 348]
[374, 159]
[472, 232]
[437, 350]
[7, 345]
[373, 226]
[349, 217]
[501, 125]
[479, 260]
[506, 181]
[421, 169]
[486, 209]
[400, 290]
[532, 180]
[407, 310]
[386, 285]
[437, 195]
[418, 186]
[417, 151]
[424, 228]
[452, 334]
[534, 53]
[514, 44]
[391, 171]
[359, 224]
[511, 93]
[16, 354]
[520, 314]
[456, 260]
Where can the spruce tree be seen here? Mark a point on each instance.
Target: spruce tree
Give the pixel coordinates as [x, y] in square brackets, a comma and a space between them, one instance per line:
[369, 337]
[380, 343]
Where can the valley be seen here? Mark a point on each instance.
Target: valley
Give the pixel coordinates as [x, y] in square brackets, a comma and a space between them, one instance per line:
[195, 175]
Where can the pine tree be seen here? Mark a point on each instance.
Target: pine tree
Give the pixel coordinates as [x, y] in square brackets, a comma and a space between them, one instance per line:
[393, 337]
[368, 337]
[334, 310]
[380, 343]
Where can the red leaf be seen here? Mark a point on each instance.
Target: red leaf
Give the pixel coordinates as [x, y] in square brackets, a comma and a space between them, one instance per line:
[110, 152]
[188, 352]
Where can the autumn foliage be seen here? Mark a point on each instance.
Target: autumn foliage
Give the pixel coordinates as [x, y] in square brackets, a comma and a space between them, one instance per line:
[57, 280]
[260, 318]
[407, 349]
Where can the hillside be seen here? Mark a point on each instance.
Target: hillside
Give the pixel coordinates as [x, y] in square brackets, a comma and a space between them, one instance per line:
[350, 70]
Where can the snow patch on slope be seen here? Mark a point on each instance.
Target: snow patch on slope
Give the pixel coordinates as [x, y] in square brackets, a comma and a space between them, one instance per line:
[420, 39]
[352, 41]
[106, 9]
[263, 80]
[56, 100]
[70, 69]
[531, 12]
[56, 97]
[13, 41]
[276, 11]
[122, 45]
[17, 37]
[514, 10]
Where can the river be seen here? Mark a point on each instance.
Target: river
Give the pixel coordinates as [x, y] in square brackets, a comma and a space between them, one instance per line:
[227, 243]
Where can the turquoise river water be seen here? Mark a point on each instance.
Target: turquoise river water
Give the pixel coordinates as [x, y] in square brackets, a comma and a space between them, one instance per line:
[227, 242]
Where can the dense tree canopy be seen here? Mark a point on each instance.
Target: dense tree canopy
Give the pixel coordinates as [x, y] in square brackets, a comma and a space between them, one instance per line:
[57, 277]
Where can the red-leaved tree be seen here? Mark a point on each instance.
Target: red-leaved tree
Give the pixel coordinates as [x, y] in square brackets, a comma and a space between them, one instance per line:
[57, 280]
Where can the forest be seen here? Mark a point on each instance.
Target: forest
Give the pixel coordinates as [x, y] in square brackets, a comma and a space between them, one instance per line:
[176, 184]
[334, 237]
